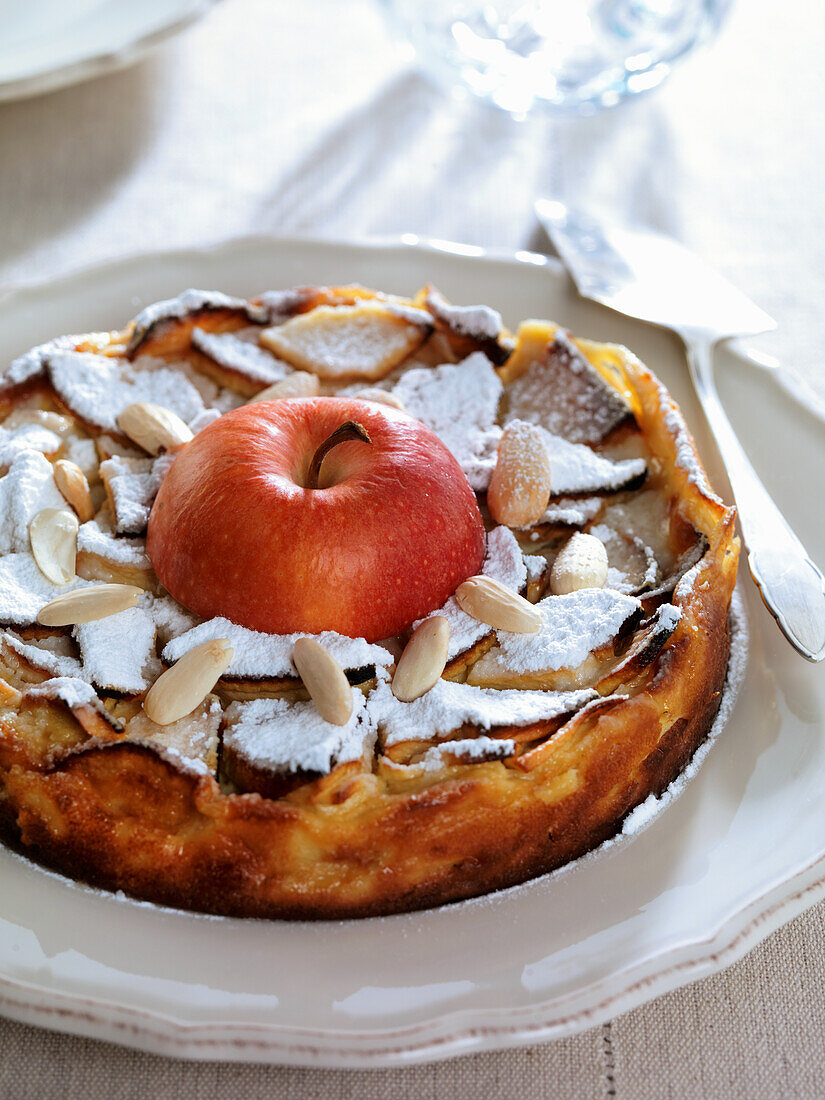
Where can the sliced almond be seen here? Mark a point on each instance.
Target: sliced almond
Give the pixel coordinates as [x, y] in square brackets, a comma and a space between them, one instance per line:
[520, 486]
[581, 563]
[324, 679]
[383, 397]
[490, 602]
[53, 535]
[184, 686]
[298, 384]
[72, 483]
[87, 605]
[153, 427]
[423, 660]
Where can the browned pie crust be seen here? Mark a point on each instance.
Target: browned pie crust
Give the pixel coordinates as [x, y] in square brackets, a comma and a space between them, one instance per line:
[356, 843]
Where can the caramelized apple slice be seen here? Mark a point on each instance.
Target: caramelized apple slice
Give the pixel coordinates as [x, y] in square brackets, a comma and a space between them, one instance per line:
[118, 652]
[274, 745]
[644, 648]
[37, 660]
[469, 328]
[165, 328]
[104, 556]
[550, 382]
[683, 564]
[235, 360]
[562, 514]
[366, 340]
[83, 702]
[131, 487]
[451, 711]
[578, 633]
[469, 750]
[632, 565]
[194, 737]
[575, 468]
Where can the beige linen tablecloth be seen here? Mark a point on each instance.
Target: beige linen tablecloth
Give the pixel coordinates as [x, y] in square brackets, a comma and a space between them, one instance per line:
[281, 117]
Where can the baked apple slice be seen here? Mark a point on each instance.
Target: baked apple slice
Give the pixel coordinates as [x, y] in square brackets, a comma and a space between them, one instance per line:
[342, 343]
[550, 382]
[165, 328]
[577, 631]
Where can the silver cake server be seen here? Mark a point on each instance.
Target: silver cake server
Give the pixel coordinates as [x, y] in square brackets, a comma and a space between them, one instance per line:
[651, 277]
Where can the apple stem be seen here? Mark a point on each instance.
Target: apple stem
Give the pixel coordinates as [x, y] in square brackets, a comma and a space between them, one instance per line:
[349, 432]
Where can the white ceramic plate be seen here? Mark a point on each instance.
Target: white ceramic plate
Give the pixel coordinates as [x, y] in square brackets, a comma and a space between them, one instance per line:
[48, 44]
[741, 852]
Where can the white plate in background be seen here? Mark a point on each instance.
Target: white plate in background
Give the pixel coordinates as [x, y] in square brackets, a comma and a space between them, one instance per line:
[48, 44]
[741, 852]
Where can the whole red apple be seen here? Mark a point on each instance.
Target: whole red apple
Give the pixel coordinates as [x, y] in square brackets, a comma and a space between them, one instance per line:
[278, 518]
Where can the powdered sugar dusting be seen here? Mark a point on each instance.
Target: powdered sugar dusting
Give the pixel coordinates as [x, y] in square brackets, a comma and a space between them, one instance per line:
[572, 513]
[472, 750]
[536, 566]
[280, 736]
[25, 490]
[133, 484]
[27, 437]
[27, 367]
[98, 388]
[459, 402]
[574, 468]
[477, 322]
[171, 619]
[24, 590]
[42, 658]
[686, 456]
[194, 737]
[96, 538]
[83, 452]
[118, 652]
[364, 340]
[504, 563]
[240, 352]
[260, 656]
[69, 690]
[573, 626]
[189, 303]
[449, 706]
[204, 419]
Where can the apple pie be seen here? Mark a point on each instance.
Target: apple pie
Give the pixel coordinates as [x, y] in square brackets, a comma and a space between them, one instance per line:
[331, 603]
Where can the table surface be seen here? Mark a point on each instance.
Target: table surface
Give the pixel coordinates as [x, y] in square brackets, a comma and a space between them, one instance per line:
[276, 117]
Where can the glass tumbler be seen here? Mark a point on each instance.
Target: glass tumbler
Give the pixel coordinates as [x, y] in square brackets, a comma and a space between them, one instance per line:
[577, 55]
